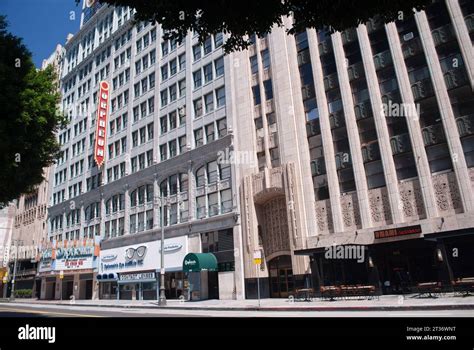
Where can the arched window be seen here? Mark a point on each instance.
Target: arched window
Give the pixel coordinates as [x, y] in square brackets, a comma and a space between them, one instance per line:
[201, 176]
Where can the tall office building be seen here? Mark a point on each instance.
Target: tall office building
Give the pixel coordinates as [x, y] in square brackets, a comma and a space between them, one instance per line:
[300, 143]
[364, 141]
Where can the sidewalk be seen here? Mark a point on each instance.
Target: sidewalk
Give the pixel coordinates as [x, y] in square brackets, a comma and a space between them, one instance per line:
[385, 303]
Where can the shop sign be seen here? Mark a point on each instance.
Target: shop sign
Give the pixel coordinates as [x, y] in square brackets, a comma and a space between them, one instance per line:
[172, 247]
[396, 232]
[101, 131]
[144, 256]
[138, 276]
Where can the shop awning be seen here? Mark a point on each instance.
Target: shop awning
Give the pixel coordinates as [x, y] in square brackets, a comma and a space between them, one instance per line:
[195, 262]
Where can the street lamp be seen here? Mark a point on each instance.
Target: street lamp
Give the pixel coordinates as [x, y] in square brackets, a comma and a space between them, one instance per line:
[12, 294]
[162, 300]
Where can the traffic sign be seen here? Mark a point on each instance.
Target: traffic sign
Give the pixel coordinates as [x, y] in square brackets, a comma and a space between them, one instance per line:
[257, 261]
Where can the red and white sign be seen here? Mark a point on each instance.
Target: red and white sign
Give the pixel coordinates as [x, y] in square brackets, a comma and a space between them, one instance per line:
[101, 131]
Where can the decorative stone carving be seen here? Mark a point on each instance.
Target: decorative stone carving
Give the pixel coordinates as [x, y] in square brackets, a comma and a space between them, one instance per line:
[379, 205]
[350, 210]
[447, 192]
[324, 216]
[275, 226]
[411, 199]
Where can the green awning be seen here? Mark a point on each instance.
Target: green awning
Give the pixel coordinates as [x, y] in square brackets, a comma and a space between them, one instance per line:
[195, 262]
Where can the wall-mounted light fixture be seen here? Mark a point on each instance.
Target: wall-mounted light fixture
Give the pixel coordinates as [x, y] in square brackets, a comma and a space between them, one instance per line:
[371, 262]
[439, 255]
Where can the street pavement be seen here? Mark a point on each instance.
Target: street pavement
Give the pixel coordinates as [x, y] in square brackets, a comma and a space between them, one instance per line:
[390, 305]
[41, 310]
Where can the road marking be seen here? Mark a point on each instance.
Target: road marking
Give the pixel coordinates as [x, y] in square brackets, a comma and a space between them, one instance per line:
[46, 312]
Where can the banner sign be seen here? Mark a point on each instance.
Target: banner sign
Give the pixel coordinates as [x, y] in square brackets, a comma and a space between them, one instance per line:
[101, 130]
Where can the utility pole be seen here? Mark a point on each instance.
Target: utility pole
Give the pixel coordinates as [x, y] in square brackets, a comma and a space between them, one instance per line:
[162, 301]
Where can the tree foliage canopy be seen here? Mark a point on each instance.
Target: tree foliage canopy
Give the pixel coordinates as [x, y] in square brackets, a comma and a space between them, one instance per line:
[240, 18]
[29, 118]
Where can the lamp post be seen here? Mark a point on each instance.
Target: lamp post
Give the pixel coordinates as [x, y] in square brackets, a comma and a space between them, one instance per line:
[162, 300]
[12, 294]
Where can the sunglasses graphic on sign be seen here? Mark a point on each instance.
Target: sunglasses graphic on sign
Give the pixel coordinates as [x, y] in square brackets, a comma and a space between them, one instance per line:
[135, 254]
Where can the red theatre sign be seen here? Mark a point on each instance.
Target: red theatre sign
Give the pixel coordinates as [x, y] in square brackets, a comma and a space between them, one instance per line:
[101, 131]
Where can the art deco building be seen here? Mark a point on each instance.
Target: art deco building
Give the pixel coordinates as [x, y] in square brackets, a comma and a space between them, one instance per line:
[363, 138]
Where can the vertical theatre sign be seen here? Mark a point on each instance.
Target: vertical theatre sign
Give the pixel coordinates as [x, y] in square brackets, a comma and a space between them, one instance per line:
[101, 131]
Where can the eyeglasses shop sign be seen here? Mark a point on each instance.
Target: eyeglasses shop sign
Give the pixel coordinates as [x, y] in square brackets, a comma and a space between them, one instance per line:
[144, 256]
[74, 258]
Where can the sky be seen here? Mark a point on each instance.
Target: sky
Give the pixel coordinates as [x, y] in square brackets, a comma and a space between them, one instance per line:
[42, 23]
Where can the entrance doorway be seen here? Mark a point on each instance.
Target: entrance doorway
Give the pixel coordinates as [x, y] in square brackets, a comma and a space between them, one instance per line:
[281, 277]
[88, 289]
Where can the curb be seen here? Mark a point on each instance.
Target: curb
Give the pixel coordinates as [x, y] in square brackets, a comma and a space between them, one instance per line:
[271, 308]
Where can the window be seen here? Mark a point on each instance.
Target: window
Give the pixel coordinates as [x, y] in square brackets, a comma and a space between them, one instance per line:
[198, 108]
[182, 144]
[256, 95]
[150, 131]
[220, 97]
[224, 170]
[254, 64]
[151, 80]
[173, 67]
[201, 207]
[173, 149]
[226, 201]
[210, 133]
[196, 52]
[182, 87]
[209, 102]
[142, 135]
[172, 119]
[164, 48]
[163, 125]
[219, 66]
[211, 172]
[218, 40]
[164, 98]
[149, 219]
[163, 153]
[213, 204]
[173, 93]
[265, 58]
[164, 72]
[267, 85]
[182, 61]
[151, 105]
[207, 73]
[207, 45]
[222, 127]
[198, 137]
[197, 77]
[133, 223]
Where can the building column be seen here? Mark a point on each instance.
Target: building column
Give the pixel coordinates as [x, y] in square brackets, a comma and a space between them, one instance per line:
[126, 220]
[263, 101]
[102, 216]
[462, 34]
[352, 131]
[191, 193]
[416, 138]
[383, 135]
[447, 115]
[326, 136]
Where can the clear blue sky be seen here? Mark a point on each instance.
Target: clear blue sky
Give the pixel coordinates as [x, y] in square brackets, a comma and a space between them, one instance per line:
[41, 23]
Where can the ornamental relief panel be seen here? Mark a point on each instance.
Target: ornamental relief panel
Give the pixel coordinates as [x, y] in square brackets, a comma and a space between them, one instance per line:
[411, 199]
[447, 192]
[350, 210]
[379, 206]
[275, 235]
[324, 216]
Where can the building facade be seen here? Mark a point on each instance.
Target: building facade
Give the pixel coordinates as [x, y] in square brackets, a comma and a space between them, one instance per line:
[300, 143]
[377, 121]
[7, 217]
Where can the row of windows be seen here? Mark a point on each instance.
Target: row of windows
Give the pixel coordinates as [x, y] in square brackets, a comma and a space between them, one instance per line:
[146, 61]
[122, 79]
[143, 135]
[146, 39]
[206, 48]
[118, 147]
[171, 68]
[142, 161]
[145, 109]
[208, 72]
[118, 124]
[144, 85]
[170, 150]
[212, 100]
[170, 94]
[209, 131]
[170, 121]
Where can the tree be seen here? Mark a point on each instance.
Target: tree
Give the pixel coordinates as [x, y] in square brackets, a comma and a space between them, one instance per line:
[240, 18]
[29, 118]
